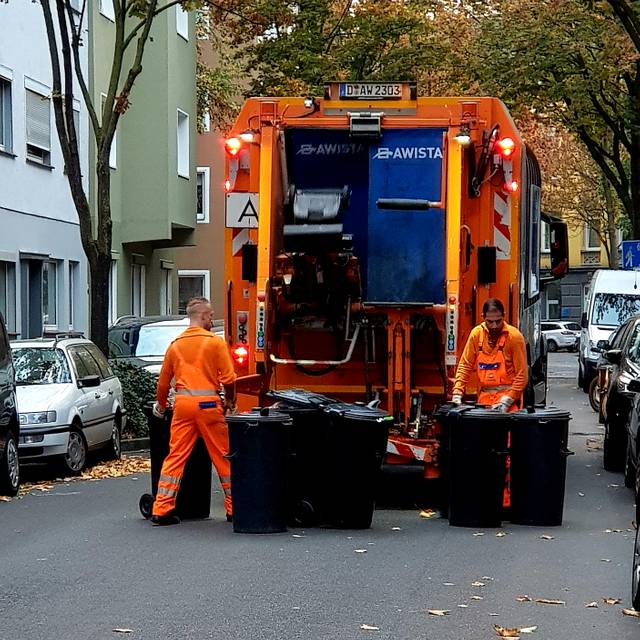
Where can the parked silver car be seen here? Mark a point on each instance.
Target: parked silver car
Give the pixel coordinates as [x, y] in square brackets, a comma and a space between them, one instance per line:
[561, 334]
[69, 401]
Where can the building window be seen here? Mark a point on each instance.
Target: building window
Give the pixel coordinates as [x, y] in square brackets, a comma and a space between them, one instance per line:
[591, 239]
[6, 129]
[8, 294]
[138, 276]
[113, 291]
[73, 284]
[49, 294]
[192, 283]
[553, 299]
[182, 22]
[183, 144]
[113, 154]
[166, 286]
[38, 127]
[106, 9]
[202, 194]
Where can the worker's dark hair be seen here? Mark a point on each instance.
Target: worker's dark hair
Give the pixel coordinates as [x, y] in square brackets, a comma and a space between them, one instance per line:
[492, 304]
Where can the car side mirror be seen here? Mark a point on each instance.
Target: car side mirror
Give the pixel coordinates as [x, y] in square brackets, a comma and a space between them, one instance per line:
[613, 356]
[89, 381]
[583, 321]
[634, 385]
[602, 345]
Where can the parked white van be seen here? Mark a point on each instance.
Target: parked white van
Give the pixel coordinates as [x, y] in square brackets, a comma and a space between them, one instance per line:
[614, 296]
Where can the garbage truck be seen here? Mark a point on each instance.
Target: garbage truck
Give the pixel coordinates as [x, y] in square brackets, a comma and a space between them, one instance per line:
[364, 230]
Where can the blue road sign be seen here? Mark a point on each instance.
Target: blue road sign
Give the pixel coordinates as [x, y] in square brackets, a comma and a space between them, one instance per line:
[631, 254]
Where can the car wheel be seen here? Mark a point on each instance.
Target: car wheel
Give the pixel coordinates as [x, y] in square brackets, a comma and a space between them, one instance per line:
[594, 395]
[635, 576]
[115, 443]
[75, 459]
[552, 346]
[10, 468]
[614, 448]
[629, 469]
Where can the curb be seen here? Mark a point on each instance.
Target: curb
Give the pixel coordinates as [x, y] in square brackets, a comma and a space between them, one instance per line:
[134, 444]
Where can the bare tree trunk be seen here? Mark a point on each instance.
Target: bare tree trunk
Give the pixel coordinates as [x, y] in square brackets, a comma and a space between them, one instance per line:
[612, 227]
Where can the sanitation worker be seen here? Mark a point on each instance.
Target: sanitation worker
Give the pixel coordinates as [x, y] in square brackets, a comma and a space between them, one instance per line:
[198, 362]
[496, 353]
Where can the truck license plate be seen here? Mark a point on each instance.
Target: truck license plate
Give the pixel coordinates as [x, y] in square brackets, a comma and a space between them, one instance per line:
[370, 91]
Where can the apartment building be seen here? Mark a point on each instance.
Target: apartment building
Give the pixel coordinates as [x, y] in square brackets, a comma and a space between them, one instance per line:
[43, 270]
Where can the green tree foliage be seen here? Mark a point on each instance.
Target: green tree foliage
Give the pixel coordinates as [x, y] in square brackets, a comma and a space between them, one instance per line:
[138, 389]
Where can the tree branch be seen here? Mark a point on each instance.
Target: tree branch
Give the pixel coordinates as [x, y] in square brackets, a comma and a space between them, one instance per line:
[629, 19]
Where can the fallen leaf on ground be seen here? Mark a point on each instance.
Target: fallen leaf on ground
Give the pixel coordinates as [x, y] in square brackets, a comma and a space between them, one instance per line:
[546, 537]
[523, 599]
[449, 584]
[613, 530]
[505, 632]
[478, 534]
[427, 513]
[591, 605]
[477, 598]
[5, 499]
[463, 606]
[369, 627]
[581, 494]
[477, 583]
[486, 578]
[122, 630]
[439, 612]
[528, 629]
[494, 614]
[611, 600]
[614, 486]
[297, 535]
[500, 534]
[631, 612]
[605, 560]
[360, 550]
[396, 529]
[548, 601]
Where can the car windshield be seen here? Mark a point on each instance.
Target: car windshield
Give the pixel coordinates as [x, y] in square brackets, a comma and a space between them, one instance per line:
[154, 341]
[612, 309]
[40, 366]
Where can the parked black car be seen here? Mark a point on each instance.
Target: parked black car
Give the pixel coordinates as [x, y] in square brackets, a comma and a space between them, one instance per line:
[9, 423]
[620, 365]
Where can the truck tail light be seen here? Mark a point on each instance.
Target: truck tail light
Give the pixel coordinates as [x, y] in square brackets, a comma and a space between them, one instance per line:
[506, 147]
[240, 355]
[233, 146]
[511, 186]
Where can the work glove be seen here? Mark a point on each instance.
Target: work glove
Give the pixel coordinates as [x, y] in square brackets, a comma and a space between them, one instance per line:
[456, 399]
[158, 411]
[503, 405]
[230, 408]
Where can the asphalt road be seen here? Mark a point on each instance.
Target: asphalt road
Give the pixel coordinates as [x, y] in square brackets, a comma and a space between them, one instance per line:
[79, 561]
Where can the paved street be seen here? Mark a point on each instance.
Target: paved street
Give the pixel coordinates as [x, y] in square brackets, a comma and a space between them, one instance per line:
[79, 561]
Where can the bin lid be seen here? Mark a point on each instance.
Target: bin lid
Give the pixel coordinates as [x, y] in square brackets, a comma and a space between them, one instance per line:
[264, 414]
[301, 398]
[471, 412]
[358, 411]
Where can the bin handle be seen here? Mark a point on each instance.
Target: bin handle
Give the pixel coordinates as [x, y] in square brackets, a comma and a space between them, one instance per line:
[567, 452]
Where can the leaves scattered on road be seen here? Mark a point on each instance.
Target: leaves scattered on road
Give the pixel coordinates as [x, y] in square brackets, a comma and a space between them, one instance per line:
[119, 630]
[427, 513]
[546, 537]
[591, 605]
[513, 632]
[369, 627]
[477, 583]
[631, 612]
[524, 599]
[360, 550]
[611, 600]
[438, 612]
[550, 601]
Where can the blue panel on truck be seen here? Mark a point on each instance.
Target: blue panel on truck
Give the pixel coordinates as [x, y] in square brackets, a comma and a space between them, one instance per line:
[327, 159]
[406, 261]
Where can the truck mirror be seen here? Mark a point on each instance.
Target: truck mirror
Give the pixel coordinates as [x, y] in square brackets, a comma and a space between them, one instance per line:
[559, 248]
[486, 265]
[583, 320]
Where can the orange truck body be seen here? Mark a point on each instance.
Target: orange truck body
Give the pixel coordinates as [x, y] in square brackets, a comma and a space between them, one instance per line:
[363, 235]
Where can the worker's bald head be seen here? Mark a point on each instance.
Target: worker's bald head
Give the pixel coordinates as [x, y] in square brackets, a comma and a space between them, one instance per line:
[200, 313]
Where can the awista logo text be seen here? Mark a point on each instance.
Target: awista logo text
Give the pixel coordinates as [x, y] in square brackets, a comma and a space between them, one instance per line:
[408, 153]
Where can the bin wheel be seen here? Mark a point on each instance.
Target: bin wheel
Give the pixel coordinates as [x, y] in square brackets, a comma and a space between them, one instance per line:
[635, 576]
[304, 515]
[358, 518]
[146, 505]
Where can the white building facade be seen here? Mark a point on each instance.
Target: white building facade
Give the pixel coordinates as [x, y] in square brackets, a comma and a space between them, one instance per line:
[43, 268]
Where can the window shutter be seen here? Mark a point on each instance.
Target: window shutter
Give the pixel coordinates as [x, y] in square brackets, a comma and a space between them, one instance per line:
[38, 120]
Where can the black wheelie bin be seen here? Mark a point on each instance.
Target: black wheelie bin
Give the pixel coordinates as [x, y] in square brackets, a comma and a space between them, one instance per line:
[310, 446]
[194, 498]
[357, 436]
[259, 453]
[539, 439]
[476, 450]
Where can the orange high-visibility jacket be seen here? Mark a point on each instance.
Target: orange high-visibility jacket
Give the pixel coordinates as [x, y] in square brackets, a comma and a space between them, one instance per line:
[197, 359]
[515, 355]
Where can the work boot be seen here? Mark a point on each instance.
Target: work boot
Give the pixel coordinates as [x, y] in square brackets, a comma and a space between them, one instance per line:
[165, 521]
[229, 517]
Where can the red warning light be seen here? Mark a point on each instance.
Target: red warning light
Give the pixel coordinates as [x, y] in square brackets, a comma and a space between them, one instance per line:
[240, 354]
[227, 185]
[233, 146]
[452, 299]
[506, 147]
[511, 187]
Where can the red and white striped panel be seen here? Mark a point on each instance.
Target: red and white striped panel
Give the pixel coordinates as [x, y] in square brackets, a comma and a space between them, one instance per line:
[408, 450]
[502, 226]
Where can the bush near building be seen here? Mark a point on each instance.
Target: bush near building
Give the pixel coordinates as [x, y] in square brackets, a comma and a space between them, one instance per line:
[138, 388]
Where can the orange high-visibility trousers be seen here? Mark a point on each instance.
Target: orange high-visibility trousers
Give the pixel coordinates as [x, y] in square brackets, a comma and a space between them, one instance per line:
[189, 421]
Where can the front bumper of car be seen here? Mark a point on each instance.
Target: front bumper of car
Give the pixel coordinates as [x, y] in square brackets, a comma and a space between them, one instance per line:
[43, 442]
